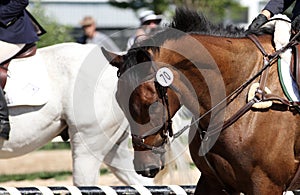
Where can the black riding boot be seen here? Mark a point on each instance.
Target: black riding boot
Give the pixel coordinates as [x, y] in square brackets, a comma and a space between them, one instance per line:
[4, 122]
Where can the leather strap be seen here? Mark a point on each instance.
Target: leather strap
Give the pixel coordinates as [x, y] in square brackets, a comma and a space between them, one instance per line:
[272, 97]
[258, 44]
[260, 93]
[221, 127]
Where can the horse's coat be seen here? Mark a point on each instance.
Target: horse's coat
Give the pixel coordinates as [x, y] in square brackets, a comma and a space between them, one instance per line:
[258, 154]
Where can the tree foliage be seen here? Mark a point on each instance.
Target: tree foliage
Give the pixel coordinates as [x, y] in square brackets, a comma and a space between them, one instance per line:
[56, 33]
[158, 6]
[216, 10]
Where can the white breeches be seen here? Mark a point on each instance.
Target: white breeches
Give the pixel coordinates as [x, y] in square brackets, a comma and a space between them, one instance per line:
[8, 50]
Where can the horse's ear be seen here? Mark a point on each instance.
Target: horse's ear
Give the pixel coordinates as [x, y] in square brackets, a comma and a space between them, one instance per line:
[114, 59]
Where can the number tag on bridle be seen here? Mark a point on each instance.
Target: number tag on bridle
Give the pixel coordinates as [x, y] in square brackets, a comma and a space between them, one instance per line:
[164, 76]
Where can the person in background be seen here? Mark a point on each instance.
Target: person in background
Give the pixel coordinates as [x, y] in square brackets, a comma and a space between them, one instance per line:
[149, 24]
[17, 29]
[91, 35]
[274, 7]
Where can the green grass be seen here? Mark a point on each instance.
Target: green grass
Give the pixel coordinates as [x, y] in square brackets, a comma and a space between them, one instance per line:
[59, 176]
[56, 146]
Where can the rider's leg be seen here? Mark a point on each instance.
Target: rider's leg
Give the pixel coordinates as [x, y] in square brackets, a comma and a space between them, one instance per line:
[8, 50]
[4, 121]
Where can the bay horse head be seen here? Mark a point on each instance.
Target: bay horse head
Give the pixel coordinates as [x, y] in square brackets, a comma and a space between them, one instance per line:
[148, 106]
[211, 69]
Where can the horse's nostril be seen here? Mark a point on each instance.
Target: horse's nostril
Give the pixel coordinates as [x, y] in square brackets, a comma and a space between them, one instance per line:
[140, 172]
[151, 171]
[154, 171]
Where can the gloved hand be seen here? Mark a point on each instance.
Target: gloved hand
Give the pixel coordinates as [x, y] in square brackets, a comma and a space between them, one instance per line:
[257, 22]
[296, 24]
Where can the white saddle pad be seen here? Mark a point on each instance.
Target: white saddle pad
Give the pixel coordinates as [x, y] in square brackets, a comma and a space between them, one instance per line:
[288, 84]
[281, 38]
[27, 82]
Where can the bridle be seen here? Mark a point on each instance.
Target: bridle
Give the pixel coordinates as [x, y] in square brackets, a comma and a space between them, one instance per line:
[165, 132]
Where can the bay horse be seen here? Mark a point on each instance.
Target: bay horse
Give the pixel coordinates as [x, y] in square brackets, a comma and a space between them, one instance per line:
[80, 100]
[209, 68]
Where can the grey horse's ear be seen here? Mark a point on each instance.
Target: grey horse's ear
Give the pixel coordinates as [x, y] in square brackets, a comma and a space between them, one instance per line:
[114, 59]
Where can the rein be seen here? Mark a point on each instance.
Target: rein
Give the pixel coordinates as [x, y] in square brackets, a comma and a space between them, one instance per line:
[260, 95]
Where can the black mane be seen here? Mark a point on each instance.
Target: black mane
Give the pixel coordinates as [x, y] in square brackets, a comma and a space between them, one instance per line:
[193, 22]
[184, 22]
[190, 21]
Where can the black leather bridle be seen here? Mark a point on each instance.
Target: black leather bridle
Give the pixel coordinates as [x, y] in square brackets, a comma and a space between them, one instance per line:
[166, 130]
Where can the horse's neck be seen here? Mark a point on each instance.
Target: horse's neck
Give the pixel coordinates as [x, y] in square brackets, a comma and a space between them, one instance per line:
[223, 64]
[238, 59]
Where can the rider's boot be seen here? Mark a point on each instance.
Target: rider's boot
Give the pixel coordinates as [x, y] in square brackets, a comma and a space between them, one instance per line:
[4, 121]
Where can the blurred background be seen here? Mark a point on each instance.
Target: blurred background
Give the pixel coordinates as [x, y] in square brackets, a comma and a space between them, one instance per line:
[119, 18]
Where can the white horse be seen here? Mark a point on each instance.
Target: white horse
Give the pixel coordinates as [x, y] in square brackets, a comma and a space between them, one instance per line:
[80, 86]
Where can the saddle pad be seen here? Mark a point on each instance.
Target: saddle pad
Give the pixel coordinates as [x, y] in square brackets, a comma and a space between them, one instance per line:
[288, 84]
[27, 82]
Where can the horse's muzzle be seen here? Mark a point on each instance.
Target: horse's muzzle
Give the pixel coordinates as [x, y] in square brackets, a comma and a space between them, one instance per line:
[147, 163]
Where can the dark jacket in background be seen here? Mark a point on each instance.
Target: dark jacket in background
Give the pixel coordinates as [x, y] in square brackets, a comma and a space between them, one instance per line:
[279, 6]
[16, 24]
